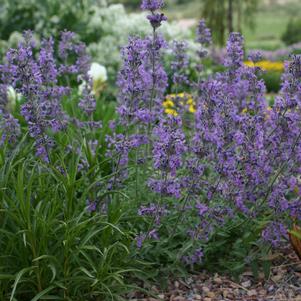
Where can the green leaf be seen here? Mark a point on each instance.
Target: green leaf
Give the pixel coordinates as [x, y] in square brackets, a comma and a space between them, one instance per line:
[266, 265]
[18, 278]
[42, 293]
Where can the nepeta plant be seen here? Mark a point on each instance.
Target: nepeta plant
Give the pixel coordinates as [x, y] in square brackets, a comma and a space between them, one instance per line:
[38, 75]
[169, 146]
[240, 157]
[142, 82]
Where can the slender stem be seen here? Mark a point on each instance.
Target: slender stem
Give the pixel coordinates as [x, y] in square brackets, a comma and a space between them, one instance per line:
[152, 96]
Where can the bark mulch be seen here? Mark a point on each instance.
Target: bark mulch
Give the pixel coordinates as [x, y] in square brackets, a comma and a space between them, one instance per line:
[283, 284]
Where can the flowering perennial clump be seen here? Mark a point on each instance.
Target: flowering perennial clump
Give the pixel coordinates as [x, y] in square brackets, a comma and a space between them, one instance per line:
[238, 149]
[38, 76]
[187, 175]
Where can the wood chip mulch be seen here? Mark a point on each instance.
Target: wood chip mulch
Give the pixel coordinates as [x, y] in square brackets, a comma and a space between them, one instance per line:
[283, 284]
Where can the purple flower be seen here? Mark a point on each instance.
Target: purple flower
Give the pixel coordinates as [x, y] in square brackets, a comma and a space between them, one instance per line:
[166, 187]
[156, 19]
[203, 34]
[169, 145]
[239, 137]
[202, 209]
[10, 129]
[152, 210]
[194, 258]
[153, 234]
[179, 64]
[92, 205]
[274, 233]
[38, 75]
[152, 5]
[235, 52]
[9, 126]
[140, 239]
[255, 56]
[234, 155]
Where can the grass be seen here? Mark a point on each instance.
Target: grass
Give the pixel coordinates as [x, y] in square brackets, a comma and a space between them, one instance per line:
[270, 21]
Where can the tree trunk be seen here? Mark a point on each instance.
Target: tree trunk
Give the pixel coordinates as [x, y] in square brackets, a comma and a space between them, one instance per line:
[239, 17]
[230, 16]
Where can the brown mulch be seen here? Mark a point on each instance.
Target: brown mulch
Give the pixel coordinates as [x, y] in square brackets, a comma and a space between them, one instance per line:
[283, 284]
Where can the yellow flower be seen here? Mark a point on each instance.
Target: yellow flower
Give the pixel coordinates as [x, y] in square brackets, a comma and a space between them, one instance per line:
[192, 109]
[168, 103]
[267, 65]
[244, 111]
[249, 64]
[171, 112]
[182, 99]
[190, 101]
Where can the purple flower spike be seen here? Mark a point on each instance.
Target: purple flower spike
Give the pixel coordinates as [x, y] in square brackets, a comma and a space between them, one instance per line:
[203, 34]
[235, 53]
[152, 5]
[156, 19]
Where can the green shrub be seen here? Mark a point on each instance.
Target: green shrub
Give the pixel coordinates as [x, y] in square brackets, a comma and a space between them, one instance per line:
[272, 81]
[292, 34]
[44, 17]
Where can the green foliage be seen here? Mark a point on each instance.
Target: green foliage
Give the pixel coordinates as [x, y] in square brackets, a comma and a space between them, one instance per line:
[234, 247]
[133, 4]
[52, 246]
[292, 33]
[225, 16]
[45, 17]
[272, 81]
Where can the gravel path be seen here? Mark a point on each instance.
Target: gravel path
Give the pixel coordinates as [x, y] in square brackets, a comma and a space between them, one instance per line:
[284, 284]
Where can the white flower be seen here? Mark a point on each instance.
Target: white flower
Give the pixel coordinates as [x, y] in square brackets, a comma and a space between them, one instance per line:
[11, 94]
[98, 73]
[12, 97]
[99, 76]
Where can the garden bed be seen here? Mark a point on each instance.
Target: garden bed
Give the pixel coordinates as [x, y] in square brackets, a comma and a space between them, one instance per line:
[189, 171]
[283, 284]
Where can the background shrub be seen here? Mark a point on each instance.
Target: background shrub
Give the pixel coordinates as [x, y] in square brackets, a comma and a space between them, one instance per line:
[293, 33]
[272, 81]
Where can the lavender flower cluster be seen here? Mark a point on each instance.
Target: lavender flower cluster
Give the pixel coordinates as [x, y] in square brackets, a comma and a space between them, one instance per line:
[142, 82]
[42, 77]
[236, 148]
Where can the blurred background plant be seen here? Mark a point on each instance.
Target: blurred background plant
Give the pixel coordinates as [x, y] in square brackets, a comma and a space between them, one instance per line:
[292, 33]
[104, 28]
[226, 16]
[104, 25]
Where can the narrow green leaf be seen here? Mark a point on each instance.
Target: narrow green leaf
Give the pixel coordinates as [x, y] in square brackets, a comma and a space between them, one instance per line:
[42, 293]
[18, 278]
